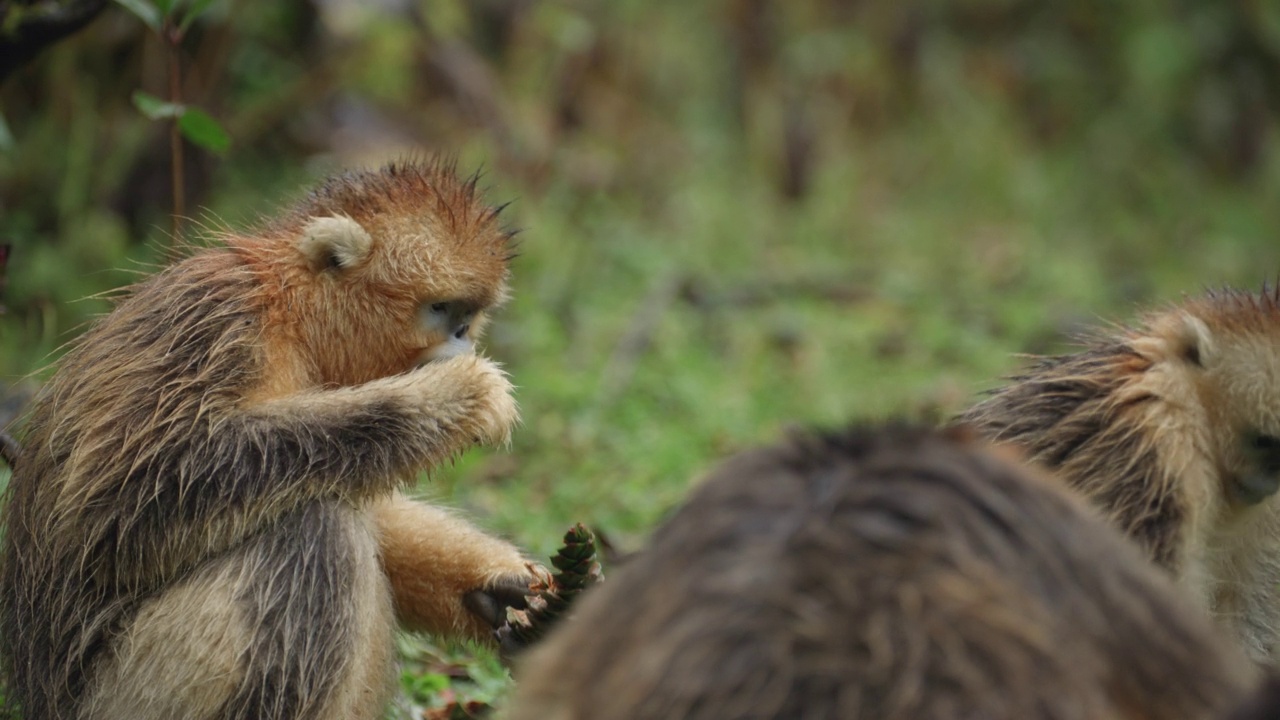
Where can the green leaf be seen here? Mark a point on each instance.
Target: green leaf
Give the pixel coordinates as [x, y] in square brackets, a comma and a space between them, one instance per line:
[196, 8]
[200, 128]
[6, 137]
[146, 11]
[164, 6]
[155, 108]
[425, 687]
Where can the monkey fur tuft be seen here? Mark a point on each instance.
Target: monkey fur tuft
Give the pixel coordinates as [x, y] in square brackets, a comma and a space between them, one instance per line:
[1172, 429]
[883, 572]
[206, 519]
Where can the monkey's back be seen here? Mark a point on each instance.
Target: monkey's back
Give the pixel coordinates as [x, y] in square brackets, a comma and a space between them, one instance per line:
[882, 575]
[92, 521]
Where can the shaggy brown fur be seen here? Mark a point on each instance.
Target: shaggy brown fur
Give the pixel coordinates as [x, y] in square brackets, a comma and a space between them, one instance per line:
[205, 521]
[890, 573]
[1172, 429]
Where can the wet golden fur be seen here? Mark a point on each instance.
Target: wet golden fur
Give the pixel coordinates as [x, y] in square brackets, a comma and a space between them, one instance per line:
[887, 573]
[1172, 428]
[206, 521]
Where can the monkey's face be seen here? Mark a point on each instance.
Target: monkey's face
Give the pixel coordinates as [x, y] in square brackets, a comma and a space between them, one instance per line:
[449, 328]
[401, 293]
[451, 285]
[1246, 372]
[1234, 360]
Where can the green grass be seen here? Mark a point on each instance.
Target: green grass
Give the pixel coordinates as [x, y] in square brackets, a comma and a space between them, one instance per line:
[904, 285]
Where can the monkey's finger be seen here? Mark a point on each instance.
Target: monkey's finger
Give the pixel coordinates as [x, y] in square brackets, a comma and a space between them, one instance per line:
[484, 605]
[509, 644]
[491, 603]
[511, 591]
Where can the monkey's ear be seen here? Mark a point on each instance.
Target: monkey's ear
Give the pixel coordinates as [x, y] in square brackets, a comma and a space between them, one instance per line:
[337, 242]
[1192, 340]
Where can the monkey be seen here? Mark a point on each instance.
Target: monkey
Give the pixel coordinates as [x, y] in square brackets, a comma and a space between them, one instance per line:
[208, 516]
[1171, 427]
[883, 572]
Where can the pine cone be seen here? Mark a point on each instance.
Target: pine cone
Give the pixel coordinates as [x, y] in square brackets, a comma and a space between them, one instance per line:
[551, 596]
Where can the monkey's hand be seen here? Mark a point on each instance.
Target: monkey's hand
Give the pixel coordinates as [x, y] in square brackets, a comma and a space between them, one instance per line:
[447, 576]
[490, 603]
[471, 395]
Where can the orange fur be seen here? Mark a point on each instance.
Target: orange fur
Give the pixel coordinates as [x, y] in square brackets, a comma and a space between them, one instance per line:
[432, 557]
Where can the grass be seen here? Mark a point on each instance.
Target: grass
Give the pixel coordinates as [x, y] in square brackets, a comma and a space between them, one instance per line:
[649, 342]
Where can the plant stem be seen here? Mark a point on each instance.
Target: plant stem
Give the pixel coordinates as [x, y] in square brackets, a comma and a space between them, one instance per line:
[172, 40]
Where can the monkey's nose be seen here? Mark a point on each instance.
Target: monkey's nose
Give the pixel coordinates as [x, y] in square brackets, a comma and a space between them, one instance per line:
[461, 332]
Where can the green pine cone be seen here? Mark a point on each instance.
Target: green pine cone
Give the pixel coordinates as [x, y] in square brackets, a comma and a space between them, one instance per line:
[577, 569]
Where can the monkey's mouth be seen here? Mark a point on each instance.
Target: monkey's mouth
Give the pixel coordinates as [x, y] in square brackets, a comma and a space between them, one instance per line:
[453, 347]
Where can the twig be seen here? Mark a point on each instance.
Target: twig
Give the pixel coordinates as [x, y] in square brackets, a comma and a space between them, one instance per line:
[33, 27]
[173, 38]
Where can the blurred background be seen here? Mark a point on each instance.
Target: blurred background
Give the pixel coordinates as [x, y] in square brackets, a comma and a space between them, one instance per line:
[737, 215]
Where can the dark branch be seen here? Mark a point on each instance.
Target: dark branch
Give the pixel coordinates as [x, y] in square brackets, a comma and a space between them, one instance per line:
[29, 26]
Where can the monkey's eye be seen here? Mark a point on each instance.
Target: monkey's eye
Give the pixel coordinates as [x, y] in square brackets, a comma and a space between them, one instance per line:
[1264, 451]
[1265, 442]
[449, 318]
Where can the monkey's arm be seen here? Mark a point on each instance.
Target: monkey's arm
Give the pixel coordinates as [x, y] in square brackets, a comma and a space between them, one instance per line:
[228, 476]
[348, 443]
[446, 575]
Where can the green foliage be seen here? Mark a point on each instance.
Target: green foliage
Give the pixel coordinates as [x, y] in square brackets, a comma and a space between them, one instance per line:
[156, 13]
[194, 9]
[6, 136]
[150, 13]
[195, 124]
[424, 687]
[155, 108]
[434, 677]
[198, 127]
